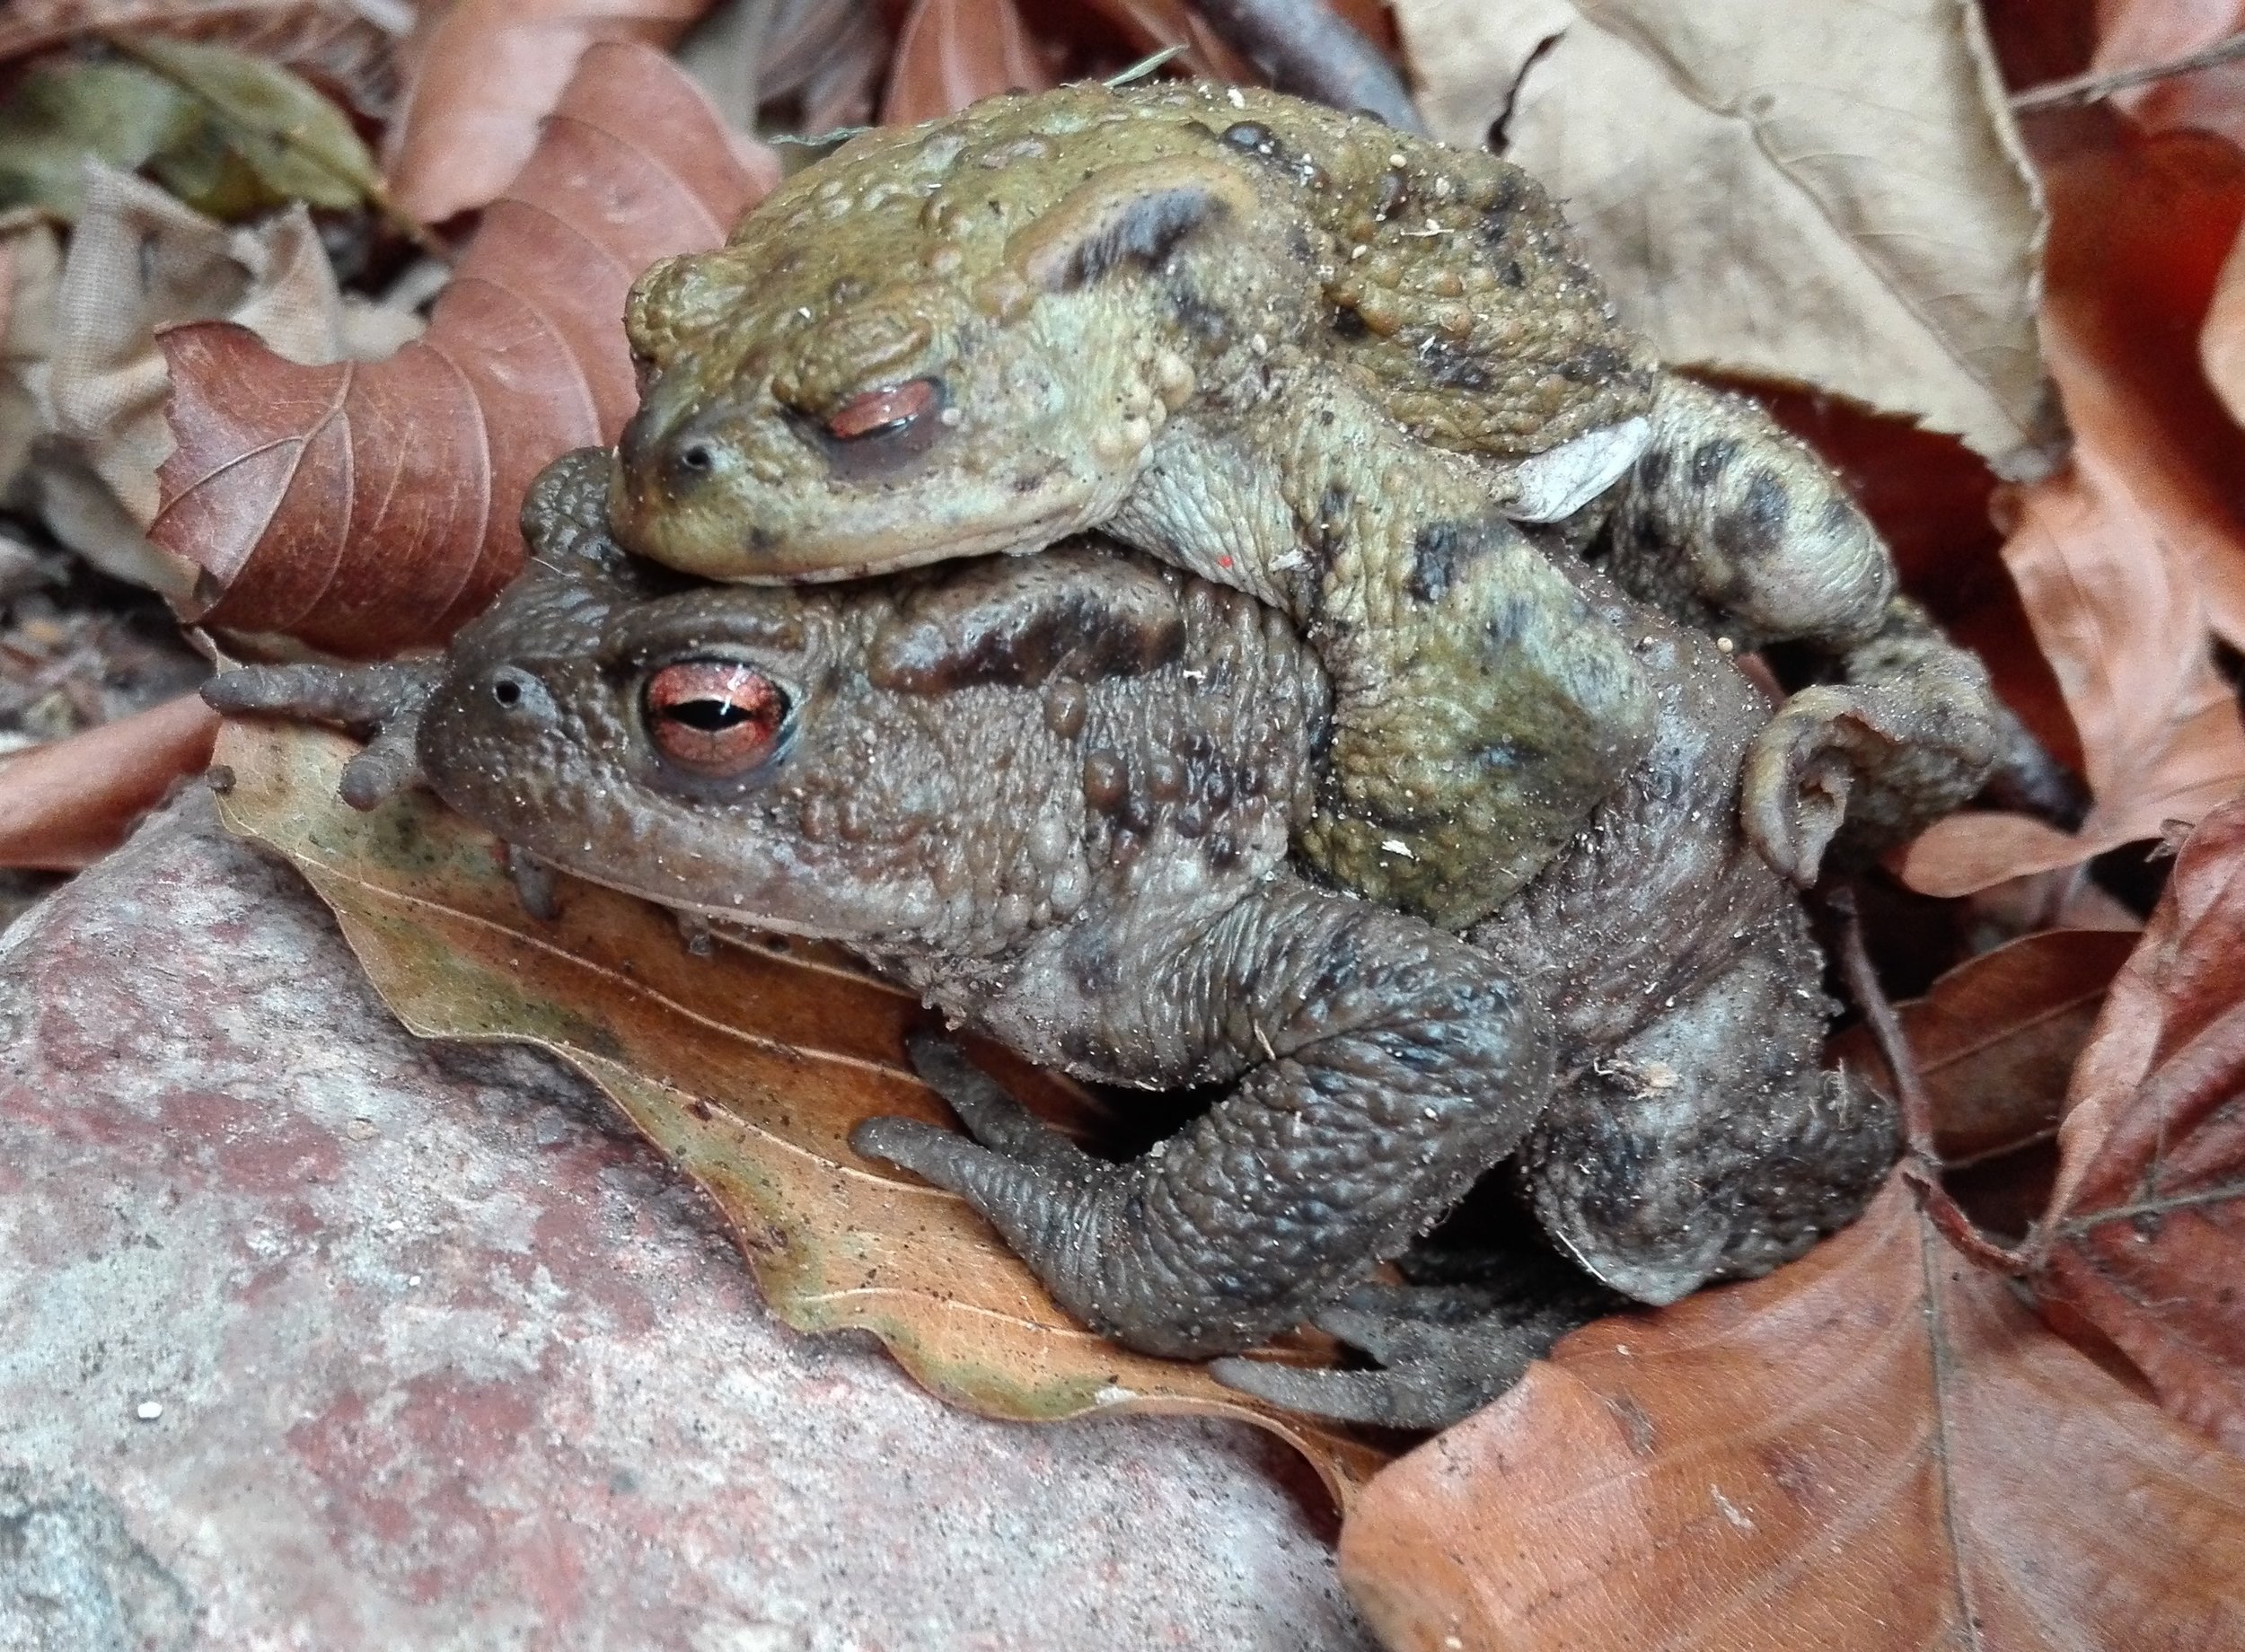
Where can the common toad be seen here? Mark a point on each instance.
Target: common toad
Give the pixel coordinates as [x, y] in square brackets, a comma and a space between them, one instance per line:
[1055, 796]
[1363, 377]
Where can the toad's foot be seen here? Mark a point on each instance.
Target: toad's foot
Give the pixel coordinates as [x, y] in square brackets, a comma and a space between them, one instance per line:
[379, 704]
[1383, 1065]
[1446, 1351]
[1912, 733]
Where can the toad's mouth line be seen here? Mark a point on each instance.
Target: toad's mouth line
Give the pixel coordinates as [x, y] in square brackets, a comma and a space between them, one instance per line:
[858, 554]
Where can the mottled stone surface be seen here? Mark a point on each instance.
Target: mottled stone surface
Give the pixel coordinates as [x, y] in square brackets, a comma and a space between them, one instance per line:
[443, 1360]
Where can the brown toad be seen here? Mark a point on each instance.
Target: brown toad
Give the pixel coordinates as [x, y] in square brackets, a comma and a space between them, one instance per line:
[1055, 796]
[1302, 355]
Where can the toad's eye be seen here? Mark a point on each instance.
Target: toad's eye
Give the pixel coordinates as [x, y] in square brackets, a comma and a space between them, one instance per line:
[889, 412]
[716, 717]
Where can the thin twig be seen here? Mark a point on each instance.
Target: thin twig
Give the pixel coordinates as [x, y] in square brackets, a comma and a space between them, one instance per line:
[1922, 1167]
[2090, 88]
[1305, 49]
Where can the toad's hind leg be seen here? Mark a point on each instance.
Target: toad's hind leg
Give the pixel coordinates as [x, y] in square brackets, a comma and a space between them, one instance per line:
[1387, 1065]
[1710, 1144]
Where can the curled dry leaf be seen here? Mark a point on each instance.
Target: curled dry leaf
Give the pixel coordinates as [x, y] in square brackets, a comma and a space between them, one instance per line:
[1875, 1447]
[748, 1069]
[140, 261]
[65, 806]
[1830, 194]
[2131, 558]
[363, 508]
[951, 53]
[482, 75]
[2146, 1236]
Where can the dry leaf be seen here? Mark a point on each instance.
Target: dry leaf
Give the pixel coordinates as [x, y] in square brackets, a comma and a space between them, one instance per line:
[747, 1069]
[67, 804]
[2146, 1237]
[139, 261]
[1830, 194]
[2221, 338]
[951, 53]
[2128, 557]
[342, 46]
[1875, 1447]
[30, 272]
[1995, 1037]
[366, 508]
[482, 75]
[2134, 34]
[268, 137]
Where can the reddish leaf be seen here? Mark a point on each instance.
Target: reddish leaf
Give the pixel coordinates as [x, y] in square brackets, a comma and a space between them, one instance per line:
[65, 806]
[2146, 1232]
[2126, 559]
[953, 52]
[1874, 1448]
[1995, 1037]
[364, 507]
[481, 75]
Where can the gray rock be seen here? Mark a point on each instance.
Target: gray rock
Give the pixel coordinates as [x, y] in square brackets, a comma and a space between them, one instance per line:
[321, 1336]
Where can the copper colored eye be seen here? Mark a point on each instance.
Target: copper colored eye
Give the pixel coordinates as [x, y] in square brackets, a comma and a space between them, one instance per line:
[716, 716]
[882, 412]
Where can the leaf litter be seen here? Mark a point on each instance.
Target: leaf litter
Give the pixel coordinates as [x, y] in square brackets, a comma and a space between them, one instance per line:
[2129, 548]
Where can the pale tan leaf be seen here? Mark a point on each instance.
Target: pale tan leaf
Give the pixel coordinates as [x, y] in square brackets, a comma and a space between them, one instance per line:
[1830, 194]
[748, 1070]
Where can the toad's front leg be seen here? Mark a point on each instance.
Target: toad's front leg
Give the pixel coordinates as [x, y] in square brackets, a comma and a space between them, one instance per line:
[379, 704]
[1387, 1065]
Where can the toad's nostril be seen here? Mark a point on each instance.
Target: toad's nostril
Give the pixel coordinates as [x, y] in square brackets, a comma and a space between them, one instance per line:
[696, 458]
[516, 691]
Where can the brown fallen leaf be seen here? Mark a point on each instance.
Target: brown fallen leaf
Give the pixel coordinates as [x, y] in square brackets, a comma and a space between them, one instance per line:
[479, 77]
[364, 508]
[2130, 559]
[748, 1070]
[1829, 195]
[2145, 1234]
[65, 806]
[1994, 1038]
[951, 53]
[1875, 1447]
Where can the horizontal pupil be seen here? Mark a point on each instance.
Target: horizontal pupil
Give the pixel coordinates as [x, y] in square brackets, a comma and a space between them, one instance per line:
[707, 716]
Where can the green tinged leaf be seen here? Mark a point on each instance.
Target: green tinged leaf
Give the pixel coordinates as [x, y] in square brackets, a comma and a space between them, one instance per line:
[58, 118]
[268, 137]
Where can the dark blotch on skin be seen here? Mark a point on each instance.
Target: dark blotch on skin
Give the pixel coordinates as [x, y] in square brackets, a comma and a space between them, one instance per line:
[1348, 324]
[1453, 368]
[1119, 632]
[1091, 963]
[1756, 531]
[1838, 519]
[1710, 460]
[1652, 469]
[1438, 555]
